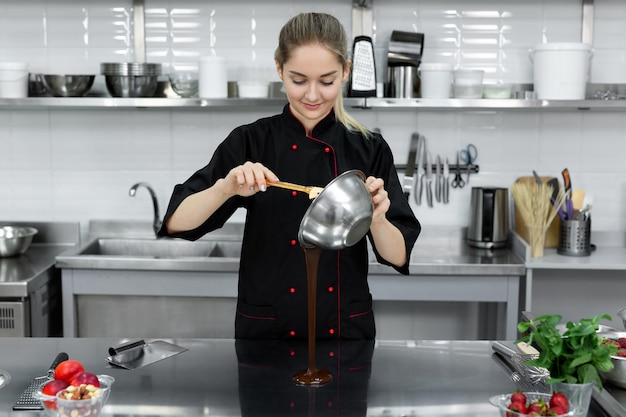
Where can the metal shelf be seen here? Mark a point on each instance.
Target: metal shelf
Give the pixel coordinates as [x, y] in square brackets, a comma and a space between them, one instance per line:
[364, 103]
[113, 102]
[495, 104]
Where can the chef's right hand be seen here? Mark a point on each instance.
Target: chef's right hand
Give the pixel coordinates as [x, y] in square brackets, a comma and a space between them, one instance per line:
[247, 179]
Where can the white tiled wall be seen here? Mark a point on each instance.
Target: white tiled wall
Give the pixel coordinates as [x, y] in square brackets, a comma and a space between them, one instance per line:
[60, 164]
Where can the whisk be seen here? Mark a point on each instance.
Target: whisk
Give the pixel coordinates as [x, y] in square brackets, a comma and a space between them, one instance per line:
[534, 374]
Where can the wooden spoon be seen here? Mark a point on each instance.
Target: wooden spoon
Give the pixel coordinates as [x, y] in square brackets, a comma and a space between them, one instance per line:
[578, 196]
[310, 190]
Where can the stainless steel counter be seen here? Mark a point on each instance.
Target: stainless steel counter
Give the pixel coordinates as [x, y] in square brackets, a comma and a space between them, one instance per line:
[21, 275]
[253, 378]
[439, 251]
[30, 286]
[443, 268]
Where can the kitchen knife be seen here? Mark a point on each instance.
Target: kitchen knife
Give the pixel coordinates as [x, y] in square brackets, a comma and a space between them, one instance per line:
[419, 183]
[429, 180]
[446, 182]
[409, 181]
[438, 179]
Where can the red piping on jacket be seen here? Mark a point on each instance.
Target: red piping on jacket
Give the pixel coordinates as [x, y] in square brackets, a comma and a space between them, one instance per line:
[351, 316]
[255, 317]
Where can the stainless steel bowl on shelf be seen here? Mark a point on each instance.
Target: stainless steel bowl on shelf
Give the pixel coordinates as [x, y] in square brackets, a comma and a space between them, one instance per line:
[131, 79]
[66, 85]
[15, 240]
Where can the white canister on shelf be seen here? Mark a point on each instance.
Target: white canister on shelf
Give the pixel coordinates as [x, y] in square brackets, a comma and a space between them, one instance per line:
[212, 79]
[561, 70]
[468, 83]
[13, 79]
[435, 79]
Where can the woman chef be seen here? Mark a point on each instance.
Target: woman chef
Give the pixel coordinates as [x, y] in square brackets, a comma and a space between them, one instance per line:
[311, 142]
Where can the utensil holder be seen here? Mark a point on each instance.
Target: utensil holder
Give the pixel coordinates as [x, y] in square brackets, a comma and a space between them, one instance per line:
[575, 237]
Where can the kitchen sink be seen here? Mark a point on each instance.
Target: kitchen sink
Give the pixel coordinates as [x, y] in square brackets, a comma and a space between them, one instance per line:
[154, 254]
[162, 248]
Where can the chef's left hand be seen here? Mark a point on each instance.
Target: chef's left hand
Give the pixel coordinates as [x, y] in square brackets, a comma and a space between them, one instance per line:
[380, 198]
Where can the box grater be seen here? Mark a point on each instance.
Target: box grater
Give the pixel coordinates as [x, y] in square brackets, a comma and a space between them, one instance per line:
[27, 401]
[363, 79]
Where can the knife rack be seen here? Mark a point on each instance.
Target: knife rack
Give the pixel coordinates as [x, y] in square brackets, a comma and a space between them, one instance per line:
[464, 168]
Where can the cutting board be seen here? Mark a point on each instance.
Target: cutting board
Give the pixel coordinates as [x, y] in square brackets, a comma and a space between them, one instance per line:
[552, 235]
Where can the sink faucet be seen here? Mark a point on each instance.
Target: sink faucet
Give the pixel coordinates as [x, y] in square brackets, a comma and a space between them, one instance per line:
[156, 223]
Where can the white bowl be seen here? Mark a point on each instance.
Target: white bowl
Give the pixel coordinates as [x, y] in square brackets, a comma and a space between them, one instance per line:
[252, 89]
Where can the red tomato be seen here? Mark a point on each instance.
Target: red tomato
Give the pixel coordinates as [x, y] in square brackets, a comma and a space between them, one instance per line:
[51, 388]
[559, 399]
[85, 378]
[66, 370]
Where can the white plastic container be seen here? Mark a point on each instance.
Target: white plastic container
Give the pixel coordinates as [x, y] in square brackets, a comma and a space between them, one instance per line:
[468, 83]
[212, 79]
[435, 80]
[13, 79]
[561, 70]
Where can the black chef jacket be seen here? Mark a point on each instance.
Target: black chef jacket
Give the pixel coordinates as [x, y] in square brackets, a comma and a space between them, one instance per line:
[272, 290]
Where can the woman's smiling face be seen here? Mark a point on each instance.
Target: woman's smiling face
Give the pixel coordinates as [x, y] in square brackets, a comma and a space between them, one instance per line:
[313, 76]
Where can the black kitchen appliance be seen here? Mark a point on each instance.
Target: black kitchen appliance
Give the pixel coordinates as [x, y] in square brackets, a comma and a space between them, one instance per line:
[363, 77]
[405, 48]
[489, 218]
[403, 58]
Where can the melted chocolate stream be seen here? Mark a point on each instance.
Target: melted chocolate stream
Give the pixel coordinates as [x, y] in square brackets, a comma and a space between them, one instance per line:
[312, 375]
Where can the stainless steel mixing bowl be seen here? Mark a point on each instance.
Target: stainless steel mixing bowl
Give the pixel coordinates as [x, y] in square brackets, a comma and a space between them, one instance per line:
[617, 375]
[15, 241]
[131, 79]
[340, 215]
[66, 85]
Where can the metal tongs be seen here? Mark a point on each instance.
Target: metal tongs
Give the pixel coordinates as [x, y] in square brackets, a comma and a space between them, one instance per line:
[308, 189]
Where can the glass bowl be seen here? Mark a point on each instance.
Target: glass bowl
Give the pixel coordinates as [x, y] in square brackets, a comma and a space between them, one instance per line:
[184, 83]
[58, 406]
[503, 401]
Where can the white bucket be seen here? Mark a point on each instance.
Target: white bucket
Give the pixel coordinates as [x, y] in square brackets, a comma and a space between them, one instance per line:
[435, 80]
[561, 70]
[13, 79]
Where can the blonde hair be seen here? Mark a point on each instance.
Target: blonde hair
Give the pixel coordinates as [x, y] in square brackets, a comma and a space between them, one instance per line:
[325, 29]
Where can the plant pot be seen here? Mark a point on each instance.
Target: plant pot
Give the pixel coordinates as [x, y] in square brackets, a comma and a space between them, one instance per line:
[579, 396]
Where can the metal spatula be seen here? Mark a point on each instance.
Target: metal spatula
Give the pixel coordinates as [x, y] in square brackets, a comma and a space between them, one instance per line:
[27, 401]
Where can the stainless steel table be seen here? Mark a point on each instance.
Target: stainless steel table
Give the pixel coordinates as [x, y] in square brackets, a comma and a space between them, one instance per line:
[253, 378]
[443, 268]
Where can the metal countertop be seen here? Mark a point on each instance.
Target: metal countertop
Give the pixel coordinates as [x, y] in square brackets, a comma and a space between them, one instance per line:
[21, 275]
[253, 378]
